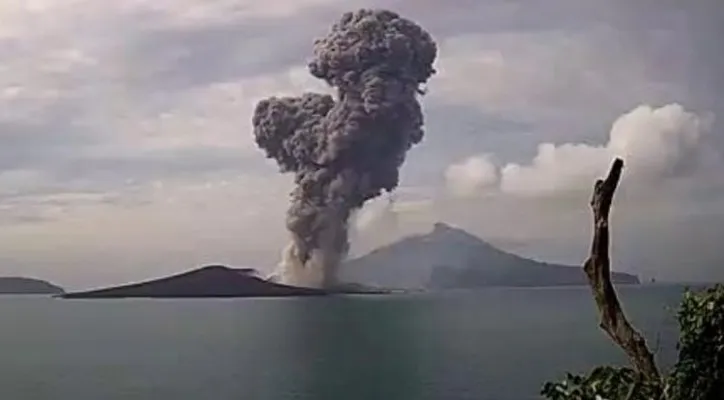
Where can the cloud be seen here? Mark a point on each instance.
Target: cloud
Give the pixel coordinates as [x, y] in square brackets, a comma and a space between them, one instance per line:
[130, 114]
[670, 187]
[558, 80]
[74, 113]
[205, 134]
[659, 145]
[193, 11]
[379, 214]
[137, 88]
[125, 132]
[471, 176]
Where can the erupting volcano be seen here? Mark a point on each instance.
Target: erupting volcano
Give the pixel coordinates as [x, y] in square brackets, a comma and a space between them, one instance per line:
[346, 149]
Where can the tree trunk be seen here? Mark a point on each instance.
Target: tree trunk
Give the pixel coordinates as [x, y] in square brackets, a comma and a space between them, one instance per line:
[598, 270]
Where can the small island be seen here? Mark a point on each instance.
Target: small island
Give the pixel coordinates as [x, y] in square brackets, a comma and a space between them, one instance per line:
[20, 285]
[213, 281]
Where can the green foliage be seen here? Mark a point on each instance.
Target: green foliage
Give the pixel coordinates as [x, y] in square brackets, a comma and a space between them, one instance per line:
[698, 374]
[603, 383]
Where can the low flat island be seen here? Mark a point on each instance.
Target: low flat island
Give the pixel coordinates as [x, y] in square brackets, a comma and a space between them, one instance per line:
[20, 285]
[213, 281]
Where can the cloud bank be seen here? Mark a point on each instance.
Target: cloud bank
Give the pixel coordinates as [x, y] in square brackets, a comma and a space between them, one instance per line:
[659, 145]
[125, 133]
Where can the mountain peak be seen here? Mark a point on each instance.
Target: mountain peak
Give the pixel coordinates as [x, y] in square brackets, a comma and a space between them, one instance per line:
[454, 236]
[463, 257]
[441, 226]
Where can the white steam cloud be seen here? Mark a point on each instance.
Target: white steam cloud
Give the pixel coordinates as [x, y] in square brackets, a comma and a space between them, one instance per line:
[378, 215]
[471, 176]
[657, 144]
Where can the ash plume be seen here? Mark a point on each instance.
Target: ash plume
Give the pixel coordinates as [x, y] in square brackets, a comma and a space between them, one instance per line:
[346, 149]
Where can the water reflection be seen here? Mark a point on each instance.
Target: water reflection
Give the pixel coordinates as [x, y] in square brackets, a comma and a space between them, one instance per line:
[356, 348]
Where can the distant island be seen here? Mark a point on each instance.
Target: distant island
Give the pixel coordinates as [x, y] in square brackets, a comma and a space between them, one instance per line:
[20, 285]
[451, 258]
[213, 281]
[445, 258]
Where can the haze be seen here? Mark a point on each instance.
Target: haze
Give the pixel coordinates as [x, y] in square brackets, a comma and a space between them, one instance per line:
[127, 147]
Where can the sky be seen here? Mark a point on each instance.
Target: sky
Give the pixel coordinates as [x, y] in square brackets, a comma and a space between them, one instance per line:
[126, 148]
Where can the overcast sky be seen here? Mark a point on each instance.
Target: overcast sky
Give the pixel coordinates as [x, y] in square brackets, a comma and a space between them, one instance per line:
[126, 149]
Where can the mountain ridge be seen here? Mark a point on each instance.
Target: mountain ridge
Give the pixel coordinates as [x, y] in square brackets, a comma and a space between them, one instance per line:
[449, 257]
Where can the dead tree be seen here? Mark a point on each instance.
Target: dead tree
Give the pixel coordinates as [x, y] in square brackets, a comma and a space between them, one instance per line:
[598, 270]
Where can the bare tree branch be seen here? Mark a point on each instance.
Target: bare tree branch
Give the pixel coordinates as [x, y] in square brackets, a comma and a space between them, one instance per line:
[598, 269]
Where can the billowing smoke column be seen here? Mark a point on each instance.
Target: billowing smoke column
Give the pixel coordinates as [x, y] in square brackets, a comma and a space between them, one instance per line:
[347, 149]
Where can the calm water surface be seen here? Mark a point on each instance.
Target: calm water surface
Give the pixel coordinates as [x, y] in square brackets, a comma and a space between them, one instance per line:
[497, 344]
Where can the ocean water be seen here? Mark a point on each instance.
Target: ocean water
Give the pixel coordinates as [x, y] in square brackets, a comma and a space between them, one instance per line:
[497, 344]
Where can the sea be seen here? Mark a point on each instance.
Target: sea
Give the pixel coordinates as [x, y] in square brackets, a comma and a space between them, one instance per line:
[487, 344]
